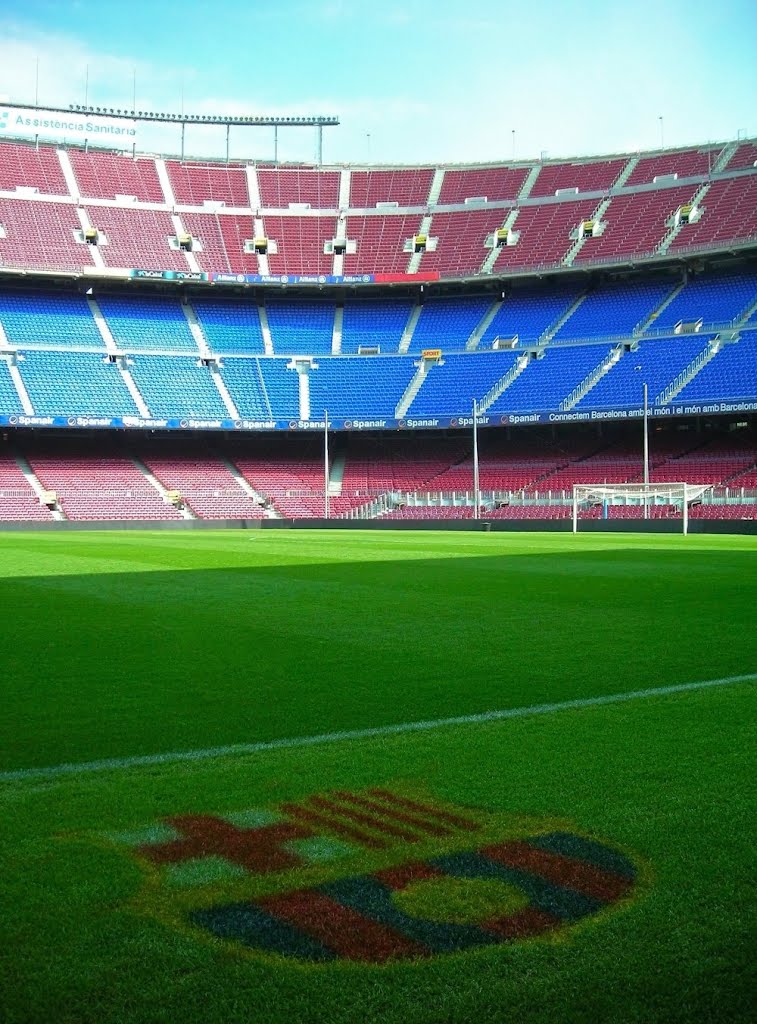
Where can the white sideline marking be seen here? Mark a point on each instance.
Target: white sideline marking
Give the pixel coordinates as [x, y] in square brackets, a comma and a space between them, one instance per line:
[141, 760]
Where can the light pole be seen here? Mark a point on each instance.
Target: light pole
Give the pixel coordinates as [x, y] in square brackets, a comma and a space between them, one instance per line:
[662, 131]
[325, 464]
[646, 451]
[476, 488]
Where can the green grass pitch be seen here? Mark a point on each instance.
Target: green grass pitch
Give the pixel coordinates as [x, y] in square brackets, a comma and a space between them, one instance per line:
[591, 863]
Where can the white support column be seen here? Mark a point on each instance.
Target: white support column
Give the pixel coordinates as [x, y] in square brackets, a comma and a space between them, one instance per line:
[344, 189]
[253, 186]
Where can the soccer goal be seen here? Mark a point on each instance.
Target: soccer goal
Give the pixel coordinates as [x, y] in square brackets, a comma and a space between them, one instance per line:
[642, 501]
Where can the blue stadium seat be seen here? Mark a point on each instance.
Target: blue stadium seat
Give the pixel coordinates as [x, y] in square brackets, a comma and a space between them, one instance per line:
[374, 322]
[448, 323]
[244, 381]
[147, 325]
[360, 387]
[713, 298]
[546, 382]
[301, 328]
[9, 400]
[173, 386]
[449, 388]
[615, 309]
[75, 384]
[64, 319]
[656, 363]
[731, 374]
[528, 313]
[230, 327]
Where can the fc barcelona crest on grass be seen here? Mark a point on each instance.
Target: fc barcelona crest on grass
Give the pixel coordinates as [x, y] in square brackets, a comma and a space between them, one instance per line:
[372, 876]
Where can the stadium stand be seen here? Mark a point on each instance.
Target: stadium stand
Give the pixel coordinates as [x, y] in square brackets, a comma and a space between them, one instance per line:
[730, 213]
[279, 187]
[448, 323]
[44, 318]
[205, 484]
[302, 328]
[527, 313]
[177, 387]
[593, 176]
[545, 234]
[18, 502]
[360, 388]
[687, 163]
[460, 241]
[108, 175]
[40, 235]
[26, 167]
[300, 242]
[491, 183]
[147, 325]
[371, 322]
[75, 384]
[194, 184]
[230, 327]
[614, 308]
[406, 187]
[137, 238]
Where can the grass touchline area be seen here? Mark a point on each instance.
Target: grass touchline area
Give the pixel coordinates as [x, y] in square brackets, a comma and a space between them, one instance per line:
[85, 767]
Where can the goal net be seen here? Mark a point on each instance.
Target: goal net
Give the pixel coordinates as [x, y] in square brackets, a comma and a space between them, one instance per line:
[635, 501]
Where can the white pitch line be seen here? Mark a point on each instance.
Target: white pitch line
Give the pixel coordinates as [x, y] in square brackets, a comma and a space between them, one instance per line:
[142, 760]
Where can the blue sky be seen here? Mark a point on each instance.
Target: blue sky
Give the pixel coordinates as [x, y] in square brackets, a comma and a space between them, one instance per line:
[423, 80]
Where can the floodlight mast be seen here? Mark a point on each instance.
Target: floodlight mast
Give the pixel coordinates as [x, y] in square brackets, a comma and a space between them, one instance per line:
[326, 502]
[476, 487]
[646, 448]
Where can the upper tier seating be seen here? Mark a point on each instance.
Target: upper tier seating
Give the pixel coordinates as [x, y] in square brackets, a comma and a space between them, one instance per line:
[194, 184]
[147, 325]
[107, 175]
[300, 243]
[43, 318]
[380, 242]
[137, 238]
[28, 167]
[461, 236]
[374, 322]
[528, 313]
[492, 183]
[75, 384]
[744, 157]
[595, 176]
[406, 187]
[712, 298]
[301, 328]
[41, 236]
[635, 224]
[730, 212]
[232, 327]
[614, 309]
[174, 386]
[284, 185]
[544, 234]
[686, 164]
[448, 323]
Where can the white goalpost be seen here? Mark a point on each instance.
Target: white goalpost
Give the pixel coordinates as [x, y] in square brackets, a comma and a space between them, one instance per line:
[645, 496]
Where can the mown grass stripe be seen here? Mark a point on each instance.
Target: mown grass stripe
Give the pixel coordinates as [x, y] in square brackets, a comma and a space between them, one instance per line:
[142, 760]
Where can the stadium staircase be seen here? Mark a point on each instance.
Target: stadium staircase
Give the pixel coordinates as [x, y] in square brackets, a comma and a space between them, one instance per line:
[336, 337]
[253, 186]
[581, 241]
[414, 263]
[122, 363]
[165, 182]
[345, 180]
[725, 157]
[15, 375]
[32, 479]
[259, 225]
[265, 330]
[528, 184]
[436, 187]
[626, 173]
[552, 331]
[407, 334]
[68, 173]
[491, 257]
[180, 230]
[86, 224]
[591, 379]
[675, 230]
[336, 473]
[185, 512]
[479, 332]
[521, 364]
[645, 325]
[424, 367]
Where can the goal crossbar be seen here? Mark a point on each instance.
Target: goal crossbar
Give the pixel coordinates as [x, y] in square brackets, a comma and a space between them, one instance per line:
[679, 494]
